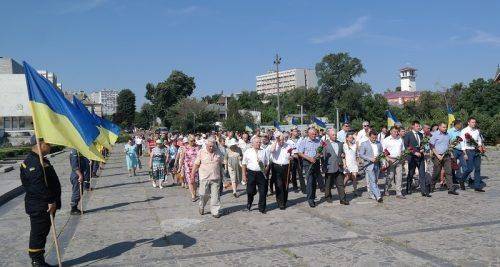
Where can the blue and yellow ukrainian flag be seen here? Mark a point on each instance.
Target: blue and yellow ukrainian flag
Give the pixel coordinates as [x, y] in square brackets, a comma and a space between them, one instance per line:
[391, 119]
[295, 121]
[451, 118]
[102, 139]
[277, 125]
[110, 129]
[56, 120]
[319, 123]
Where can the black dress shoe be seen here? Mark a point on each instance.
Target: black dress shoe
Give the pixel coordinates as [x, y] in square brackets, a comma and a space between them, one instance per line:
[479, 190]
[217, 216]
[428, 195]
[462, 186]
[312, 204]
[380, 200]
[344, 202]
[201, 211]
[75, 211]
[452, 193]
[282, 208]
[40, 263]
[263, 211]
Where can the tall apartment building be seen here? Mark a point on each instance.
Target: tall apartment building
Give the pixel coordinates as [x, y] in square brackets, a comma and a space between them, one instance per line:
[288, 80]
[108, 100]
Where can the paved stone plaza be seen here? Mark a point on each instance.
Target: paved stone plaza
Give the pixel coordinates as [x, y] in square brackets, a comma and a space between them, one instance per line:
[129, 223]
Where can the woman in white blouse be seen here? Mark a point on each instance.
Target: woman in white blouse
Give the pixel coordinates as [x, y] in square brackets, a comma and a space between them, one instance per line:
[351, 161]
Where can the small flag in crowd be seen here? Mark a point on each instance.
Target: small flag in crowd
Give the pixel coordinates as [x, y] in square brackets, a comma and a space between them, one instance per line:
[346, 118]
[56, 120]
[391, 119]
[277, 125]
[451, 118]
[319, 123]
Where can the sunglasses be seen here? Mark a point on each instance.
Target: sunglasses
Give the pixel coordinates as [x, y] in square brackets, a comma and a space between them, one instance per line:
[366, 125]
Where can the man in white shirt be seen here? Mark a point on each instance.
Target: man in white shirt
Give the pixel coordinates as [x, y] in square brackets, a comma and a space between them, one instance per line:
[395, 146]
[254, 163]
[280, 153]
[472, 154]
[342, 133]
[295, 167]
[362, 135]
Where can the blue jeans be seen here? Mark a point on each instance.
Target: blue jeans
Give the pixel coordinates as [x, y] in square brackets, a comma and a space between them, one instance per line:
[459, 155]
[372, 176]
[473, 163]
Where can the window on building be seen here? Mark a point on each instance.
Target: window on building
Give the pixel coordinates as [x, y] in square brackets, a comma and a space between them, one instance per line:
[22, 122]
[7, 123]
[15, 123]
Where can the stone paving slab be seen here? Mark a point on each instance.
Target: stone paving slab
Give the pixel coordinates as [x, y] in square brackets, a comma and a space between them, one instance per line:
[129, 223]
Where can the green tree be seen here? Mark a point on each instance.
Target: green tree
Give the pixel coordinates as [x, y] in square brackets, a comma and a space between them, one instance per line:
[235, 120]
[169, 92]
[125, 110]
[336, 73]
[191, 115]
[145, 118]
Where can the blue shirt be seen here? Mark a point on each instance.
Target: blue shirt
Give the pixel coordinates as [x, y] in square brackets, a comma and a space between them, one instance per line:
[440, 141]
[308, 147]
[454, 133]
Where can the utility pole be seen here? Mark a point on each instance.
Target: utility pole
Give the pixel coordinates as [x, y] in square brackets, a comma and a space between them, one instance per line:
[338, 123]
[277, 62]
[301, 113]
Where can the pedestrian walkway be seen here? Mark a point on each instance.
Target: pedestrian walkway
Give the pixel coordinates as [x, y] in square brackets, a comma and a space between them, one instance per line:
[130, 223]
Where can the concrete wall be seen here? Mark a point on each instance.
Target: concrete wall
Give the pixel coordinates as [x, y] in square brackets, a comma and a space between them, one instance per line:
[14, 96]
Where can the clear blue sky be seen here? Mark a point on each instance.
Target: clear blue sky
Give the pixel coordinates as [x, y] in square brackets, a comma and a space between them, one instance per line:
[97, 44]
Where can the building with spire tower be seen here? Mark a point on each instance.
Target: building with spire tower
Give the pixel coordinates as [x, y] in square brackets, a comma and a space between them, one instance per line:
[408, 88]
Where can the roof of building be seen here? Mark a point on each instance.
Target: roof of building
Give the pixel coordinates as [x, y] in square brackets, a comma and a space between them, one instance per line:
[399, 94]
[407, 68]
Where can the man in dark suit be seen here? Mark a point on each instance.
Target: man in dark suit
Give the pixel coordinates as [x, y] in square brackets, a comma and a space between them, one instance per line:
[413, 140]
[332, 156]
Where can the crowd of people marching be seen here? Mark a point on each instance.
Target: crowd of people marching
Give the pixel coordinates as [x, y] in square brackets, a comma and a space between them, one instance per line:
[432, 158]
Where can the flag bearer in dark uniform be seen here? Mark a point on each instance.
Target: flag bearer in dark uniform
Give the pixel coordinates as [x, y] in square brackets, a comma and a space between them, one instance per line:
[79, 165]
[43, 196]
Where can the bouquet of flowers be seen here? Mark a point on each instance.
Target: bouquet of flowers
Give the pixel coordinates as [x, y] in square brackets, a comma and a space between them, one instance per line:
[454, 144]
[471, 142]
[424, 144]
[382, 156]
[401, 158]
[320, 149]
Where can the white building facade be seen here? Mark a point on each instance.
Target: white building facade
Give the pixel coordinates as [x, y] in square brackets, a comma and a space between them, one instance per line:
[288, 80]
[108, 99]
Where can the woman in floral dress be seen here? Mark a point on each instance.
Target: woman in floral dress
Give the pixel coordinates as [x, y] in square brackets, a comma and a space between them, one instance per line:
[158, 163]
[189, 154]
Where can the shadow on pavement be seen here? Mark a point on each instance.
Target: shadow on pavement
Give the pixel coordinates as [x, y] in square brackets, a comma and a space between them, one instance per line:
[119, 205]
[120, 184]
[175, 239]
[108, 252]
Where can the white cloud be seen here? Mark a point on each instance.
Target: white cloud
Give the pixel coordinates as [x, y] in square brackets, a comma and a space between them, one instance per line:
[481, 37]
[183, 10]
[343, 32]
[81, 6]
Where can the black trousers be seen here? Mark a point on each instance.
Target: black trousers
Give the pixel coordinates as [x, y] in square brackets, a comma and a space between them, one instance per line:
[256, 181]
[296, 170]
[313, 174]
[446, 165]
[280, 176]
[413, 163]
[272, 180]
[338, 179]
[40, 228]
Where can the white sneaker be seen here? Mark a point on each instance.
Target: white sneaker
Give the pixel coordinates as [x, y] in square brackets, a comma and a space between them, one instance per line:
[154, 184]
[160, 184]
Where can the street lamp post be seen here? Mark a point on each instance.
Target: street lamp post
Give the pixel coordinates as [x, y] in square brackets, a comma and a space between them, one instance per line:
[277, 62]
[301, 113]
